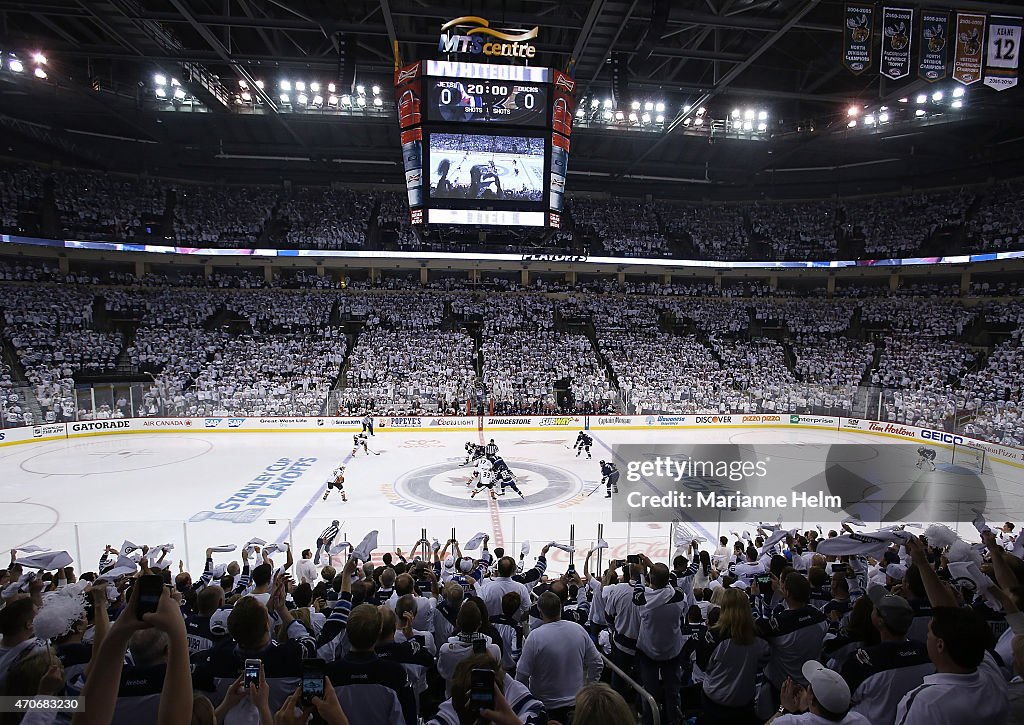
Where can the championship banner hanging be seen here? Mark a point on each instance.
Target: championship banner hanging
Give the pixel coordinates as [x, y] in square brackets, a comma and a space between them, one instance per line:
[897, 31]
[1002, 52]
[933, 45]
[970, 40]
[858, 37]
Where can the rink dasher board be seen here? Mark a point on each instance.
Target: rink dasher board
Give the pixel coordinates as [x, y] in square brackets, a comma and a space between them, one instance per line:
[474, 426]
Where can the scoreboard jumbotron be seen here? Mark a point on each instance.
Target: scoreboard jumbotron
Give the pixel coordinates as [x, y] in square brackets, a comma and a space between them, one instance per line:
[484, 144]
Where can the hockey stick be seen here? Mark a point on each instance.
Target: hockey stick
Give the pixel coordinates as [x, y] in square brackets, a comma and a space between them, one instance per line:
[596, 488]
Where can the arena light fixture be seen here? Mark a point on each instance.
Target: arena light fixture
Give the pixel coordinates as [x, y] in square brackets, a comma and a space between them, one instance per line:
[303, 99]
[699, 121]
[361, 90]
[318, 100]
[284, 98]
[646, 118]
[362, 101]
[260, 84]
[580, 113]
[701, 111]
[919, 112]
[852, 111]
[659, 107]
[619, 116]
[649, 106]
[331, 88]
[921, 98]
[735, 113]
[376, 90]
[869, 120]
[378, 102]
[607, 115]
[852, 123]
[958, 92]
[748, 125]
[314, 87]
[762, 116]
[175, 82]
[883, 118]
[246, 96]
[687, 121]
[686, 108]
[937, 96]
[762, 127]
[957, 104]
[332, 100]
[594, 103]
[748, 114]
[38, 58]
[635, 105]
[160, 80]
[633, 118]
[161, 93]
[40, 74]
[286, 85]
[179, 94]
[346, 100]
[300, 85]
[904, 100]
[608, 103]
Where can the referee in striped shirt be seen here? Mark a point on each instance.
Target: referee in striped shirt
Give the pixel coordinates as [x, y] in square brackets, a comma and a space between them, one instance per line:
[491, 449]
[326, 539]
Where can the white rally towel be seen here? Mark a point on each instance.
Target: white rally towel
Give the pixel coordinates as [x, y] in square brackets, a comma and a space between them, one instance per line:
[567, 548]
[338, 548]
[967, 573]
[21, 585]
[765, 526]
[47, 562]
[474, 543]
[979, 522]
[435, 545]
[30, 549]
[600, 544]
[127, 547]
[223, 548]
[854, 520]
[1018, 547]
[524, 549]
[271, 548]
[219, 570]
[366, 546]
[122, 566]
[775, 538]
[870, 543]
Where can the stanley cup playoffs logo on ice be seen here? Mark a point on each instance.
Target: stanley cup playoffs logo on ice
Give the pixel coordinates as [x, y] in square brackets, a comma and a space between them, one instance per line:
[481, 39]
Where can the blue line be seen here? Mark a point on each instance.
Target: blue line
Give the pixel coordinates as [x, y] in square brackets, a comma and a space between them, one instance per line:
[308, 507]
[707, 534]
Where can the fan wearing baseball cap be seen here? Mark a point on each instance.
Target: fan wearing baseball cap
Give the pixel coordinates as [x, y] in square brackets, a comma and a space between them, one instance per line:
[825, 700]
[879, 676]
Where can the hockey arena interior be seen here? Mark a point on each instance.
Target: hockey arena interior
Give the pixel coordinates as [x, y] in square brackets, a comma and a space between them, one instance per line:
[536, 362]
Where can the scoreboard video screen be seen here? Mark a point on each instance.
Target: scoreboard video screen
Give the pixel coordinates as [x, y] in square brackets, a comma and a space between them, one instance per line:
[484, 144]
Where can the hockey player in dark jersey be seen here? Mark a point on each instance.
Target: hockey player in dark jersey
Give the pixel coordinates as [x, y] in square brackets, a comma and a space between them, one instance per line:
[473, 453]
[484, 180]
[610, 478]
[504, 477]
[926, 458]
[337, 480]
[583, 442]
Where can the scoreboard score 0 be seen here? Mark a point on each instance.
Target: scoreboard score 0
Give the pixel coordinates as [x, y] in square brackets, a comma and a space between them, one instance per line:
[484, 144]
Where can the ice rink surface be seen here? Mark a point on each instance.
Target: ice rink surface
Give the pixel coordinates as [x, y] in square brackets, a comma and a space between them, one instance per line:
[197, 489]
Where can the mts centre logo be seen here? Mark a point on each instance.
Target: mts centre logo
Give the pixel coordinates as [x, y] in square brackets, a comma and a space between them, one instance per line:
[480, 36]
[443, 485]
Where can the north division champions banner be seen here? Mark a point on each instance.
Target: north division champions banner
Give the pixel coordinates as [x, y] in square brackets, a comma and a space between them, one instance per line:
[1002, 52]
[858, 37]
[933, 45]
[897, 32]
[970, 40]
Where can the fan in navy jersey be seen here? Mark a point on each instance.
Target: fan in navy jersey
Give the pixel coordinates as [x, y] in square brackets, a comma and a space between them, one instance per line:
[583, 442]
[503, 475]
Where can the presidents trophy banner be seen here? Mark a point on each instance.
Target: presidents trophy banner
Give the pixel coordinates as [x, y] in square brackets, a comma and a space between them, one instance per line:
[933, 45]
[970, 41]
[1002, 52]
[858, 37]
[897, 32]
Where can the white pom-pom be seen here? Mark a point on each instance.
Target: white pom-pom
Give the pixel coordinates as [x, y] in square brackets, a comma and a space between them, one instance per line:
[59, 614]
[940, 535]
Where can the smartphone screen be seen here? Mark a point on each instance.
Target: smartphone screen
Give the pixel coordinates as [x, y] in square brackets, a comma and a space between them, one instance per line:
[479, 646]
[151, 588]
[312, 680]
[252, 673]
[481, 689]
[633, 559]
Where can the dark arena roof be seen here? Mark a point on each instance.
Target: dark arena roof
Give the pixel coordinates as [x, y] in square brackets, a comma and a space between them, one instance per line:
[100, 104]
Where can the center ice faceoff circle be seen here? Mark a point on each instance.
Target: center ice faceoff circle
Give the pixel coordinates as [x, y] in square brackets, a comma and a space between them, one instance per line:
[443, 485]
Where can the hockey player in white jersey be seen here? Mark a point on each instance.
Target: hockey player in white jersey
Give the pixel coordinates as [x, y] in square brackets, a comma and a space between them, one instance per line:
[359, 441]
[337, 480]
[483, 477]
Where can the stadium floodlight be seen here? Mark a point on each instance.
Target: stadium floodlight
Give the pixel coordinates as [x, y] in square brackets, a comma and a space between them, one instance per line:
[883, 108]
[286, 85]
[735, 113]
[594, 103]
[619, 116]
[762, 127]
[346, 100]
[869, 120]
[242, 83]
[607, 115]
[179, 94]
[246, 96]
[378, 102]
[749, 114]
[633, 118]
[919, 112]
[284, 98]
[361, 90]
[701, 111]
[300, 85]
[161, 93]
[883, 118]
[659, 107]
[904, 100]
[686, 121]
[303, 99]
[957, 104]
[314, 87]
[699, 121]
[318, 100]
[332, 100]
[852, 123]
[686, 108]
[160, 80]
[38, 58]
[958, 92]
[635, 105]
[921, 98]
[331, 88]
[646, 118]
[852, 111]
[937, 96]
[748, 126]
[762, 116]
[362, 101]
[580, 113]
[376, 90]
[649, 106]
[260, 84]
[661, 119]
[608, 103]
[175, 82]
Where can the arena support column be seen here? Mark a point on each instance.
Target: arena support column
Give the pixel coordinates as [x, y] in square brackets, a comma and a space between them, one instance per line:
[965, 282]
[831, 285]
[621, 277]
[894, 282]
[424, 276]
[524, 278]
[570, 278]
[268, 274]
[141, 268]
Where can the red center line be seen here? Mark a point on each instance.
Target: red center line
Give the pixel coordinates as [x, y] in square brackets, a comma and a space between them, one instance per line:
[492, 504]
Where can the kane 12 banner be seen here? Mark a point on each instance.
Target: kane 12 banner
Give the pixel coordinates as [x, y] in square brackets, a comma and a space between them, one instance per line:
[933, 45]
[970, 41]
[1002, 52]
[858, 37]
[897, 31]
